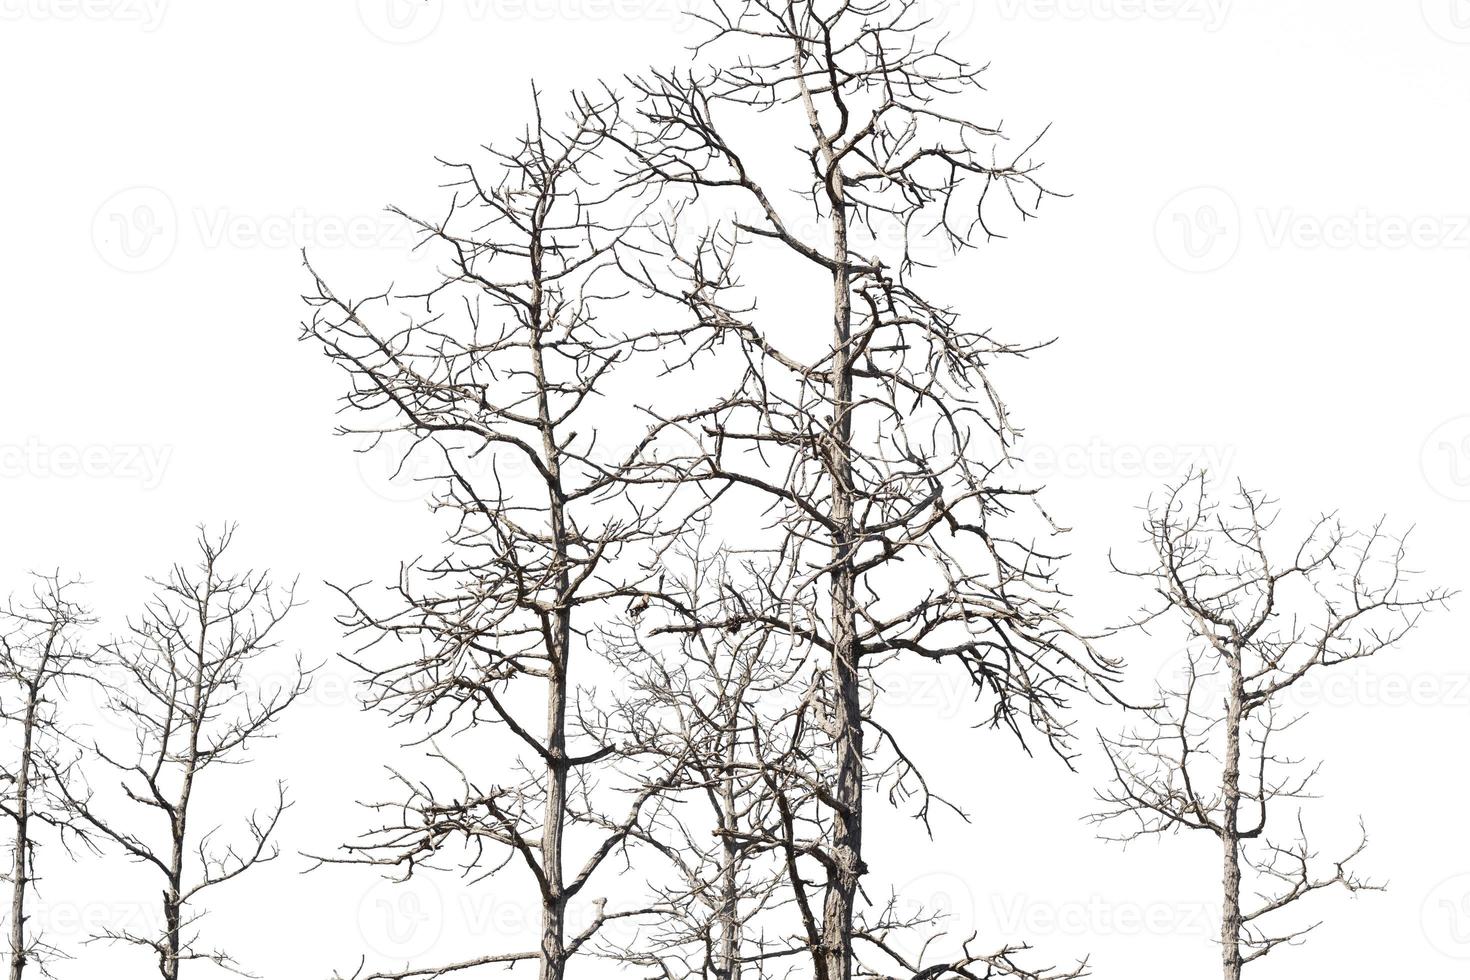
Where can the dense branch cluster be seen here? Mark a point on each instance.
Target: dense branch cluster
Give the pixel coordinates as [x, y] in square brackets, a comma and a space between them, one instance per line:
[850, 487]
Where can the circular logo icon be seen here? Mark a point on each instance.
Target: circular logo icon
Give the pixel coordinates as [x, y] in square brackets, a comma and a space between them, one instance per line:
[1450, 19]
[948, 18]
[1203, 677]
[136, 230]
[400, 21]
[940, 896]
[1446, 917]
[1199, 230]
[1445, 459]
[401, 920]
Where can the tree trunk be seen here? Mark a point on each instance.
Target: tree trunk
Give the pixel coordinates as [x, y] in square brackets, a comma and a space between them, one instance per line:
[1230, 921]
[847, 843]
[554, 898]
[173, 897]
[727, 964]
[20, 875]
[554, 901]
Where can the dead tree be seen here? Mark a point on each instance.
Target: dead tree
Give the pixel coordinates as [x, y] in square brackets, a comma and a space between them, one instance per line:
[1259, 619]
[877, 454]
[498, 374]
[732, 713]
[41, 653]
[192, 697]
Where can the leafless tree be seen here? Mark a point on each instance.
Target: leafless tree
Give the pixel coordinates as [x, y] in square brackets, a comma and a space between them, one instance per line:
[498, 374]
[733, 714]
[42, 651]
[877, 455]
[193, 699]
[740, 713]
[1259, 620]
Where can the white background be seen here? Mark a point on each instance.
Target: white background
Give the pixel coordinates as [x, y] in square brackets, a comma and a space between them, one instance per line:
[1230, 282]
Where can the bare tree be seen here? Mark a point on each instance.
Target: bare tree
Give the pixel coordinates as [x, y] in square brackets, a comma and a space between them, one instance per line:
[733, 713]
[876, 456]
[1259, 622]
[498, 374]
[41, 652]
[193, 702]
[740, 713]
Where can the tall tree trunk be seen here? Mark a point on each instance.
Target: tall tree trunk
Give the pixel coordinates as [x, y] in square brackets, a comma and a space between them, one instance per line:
[554, 898]
[173, 898]
[835, 959]
[1230, 921]
[20, 874]
[727, 964]
[847, 842]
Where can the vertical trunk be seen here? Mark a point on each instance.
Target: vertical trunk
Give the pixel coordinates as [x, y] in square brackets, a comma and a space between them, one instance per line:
[168, 956]
[727, 964]
[553, 907]
[834, 961]
[1230, 922]
[20, 874]
[847, 842]
[173, 896]
[554, 899]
